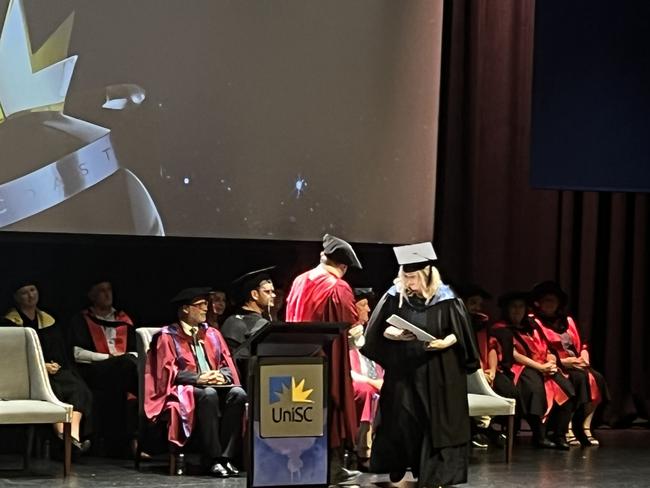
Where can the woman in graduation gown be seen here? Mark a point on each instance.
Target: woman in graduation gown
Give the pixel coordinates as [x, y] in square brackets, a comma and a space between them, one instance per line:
[67, 384]
[424, 418]
[563, 338]
[541, 387]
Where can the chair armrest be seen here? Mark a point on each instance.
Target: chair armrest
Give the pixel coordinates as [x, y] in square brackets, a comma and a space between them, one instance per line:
[39, 382]
[477, 384]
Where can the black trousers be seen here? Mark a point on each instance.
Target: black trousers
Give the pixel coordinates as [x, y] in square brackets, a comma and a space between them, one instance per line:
[218, 413]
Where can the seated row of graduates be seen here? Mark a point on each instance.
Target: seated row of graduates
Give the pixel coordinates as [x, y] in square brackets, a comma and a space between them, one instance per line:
[536, 355]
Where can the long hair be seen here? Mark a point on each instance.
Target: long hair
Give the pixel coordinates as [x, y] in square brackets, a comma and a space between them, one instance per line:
[430, 281]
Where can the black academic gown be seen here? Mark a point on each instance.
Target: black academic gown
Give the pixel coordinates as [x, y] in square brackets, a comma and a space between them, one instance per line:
[424, 417]
[236, 330]
[114, 383]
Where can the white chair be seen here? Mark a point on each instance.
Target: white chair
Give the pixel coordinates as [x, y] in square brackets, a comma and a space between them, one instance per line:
[26, 396]
[483, 401]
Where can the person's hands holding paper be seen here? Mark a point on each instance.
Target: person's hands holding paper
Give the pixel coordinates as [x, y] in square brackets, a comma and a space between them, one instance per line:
[438, 344]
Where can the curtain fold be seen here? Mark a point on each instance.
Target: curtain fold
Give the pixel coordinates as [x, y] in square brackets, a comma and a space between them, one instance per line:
[492, 228]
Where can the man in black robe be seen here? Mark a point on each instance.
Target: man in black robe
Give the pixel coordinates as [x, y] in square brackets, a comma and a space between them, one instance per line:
[254, 294]
[424, 418]
[104, 348]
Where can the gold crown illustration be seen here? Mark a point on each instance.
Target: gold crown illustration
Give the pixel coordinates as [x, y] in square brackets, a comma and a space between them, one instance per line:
[33, 81]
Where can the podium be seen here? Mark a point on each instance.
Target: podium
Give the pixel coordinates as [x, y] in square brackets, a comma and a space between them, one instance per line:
[287, 437]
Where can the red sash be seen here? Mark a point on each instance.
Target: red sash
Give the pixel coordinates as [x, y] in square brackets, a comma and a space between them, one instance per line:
[99, 338]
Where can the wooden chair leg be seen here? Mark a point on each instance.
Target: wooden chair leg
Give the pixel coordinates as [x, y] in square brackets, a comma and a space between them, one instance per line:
[29, 443]
[67, 448]
[510, 434]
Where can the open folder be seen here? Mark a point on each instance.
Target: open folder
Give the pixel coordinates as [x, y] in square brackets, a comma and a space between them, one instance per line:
[400, 323]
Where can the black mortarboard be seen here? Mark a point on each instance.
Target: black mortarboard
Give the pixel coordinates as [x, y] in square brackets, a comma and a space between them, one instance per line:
[361, 293]
[242, 286]
[340, 251]
[505, 299]
[18, 283]
[414, 257]
[471, 290]
[549, 287]
[189, 295]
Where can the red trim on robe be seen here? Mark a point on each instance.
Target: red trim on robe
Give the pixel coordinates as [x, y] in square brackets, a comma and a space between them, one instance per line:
[162, 367]
[319, 296]
[538, 353]
[555, 341]
[99, 338]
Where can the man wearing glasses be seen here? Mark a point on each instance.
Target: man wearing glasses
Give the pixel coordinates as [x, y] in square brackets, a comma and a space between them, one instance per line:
[191, 376]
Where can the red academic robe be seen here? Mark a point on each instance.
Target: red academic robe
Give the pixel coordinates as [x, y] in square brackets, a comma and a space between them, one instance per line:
[555, 342]
[534, 347]
[319, 296]
[170, 353]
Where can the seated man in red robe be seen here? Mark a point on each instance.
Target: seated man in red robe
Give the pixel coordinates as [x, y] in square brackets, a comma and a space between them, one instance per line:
[322, 295]
[367, 378]
[190, 376]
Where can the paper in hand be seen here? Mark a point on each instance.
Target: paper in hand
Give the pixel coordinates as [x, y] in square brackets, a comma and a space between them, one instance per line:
[400, 323]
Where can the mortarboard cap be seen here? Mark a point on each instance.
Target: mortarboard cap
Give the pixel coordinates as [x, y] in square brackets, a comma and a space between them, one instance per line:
[414, 257]
[242, 286]
[340, 251]
[189, 295]
[361, 293]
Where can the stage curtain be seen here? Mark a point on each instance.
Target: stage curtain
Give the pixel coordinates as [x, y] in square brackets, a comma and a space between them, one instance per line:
[493, 229]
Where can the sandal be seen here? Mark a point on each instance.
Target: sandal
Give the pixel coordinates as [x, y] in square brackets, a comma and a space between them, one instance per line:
[591, 438]
[571, 439]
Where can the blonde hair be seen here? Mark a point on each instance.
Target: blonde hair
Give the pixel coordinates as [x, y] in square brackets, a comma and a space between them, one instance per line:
[430, 281]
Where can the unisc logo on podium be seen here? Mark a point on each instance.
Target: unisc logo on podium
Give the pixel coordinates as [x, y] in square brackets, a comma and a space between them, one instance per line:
[293, 405]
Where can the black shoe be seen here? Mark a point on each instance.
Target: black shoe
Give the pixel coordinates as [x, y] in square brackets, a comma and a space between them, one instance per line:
[480, 441]
[219, 471]
[396, 476]
[81, 447]
[232, 470]
[561, 443]
[544, 443]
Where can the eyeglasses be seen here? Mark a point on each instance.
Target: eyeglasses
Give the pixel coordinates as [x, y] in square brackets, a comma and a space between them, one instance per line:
[200, 304]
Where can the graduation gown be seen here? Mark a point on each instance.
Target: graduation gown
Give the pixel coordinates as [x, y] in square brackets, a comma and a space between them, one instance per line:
[366, 396]
[114, 380]
[537, 392]
[424, 417]
[171, 354]
[564, 340]
[236, 330]
[67, 384]
[319, 296]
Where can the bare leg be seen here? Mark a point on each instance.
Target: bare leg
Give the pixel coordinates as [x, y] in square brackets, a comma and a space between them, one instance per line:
[76, 422]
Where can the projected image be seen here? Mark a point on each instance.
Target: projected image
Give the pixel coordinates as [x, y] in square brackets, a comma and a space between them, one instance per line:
[276, 120]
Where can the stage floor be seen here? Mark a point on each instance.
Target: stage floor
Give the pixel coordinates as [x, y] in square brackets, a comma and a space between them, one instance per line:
[623, 460]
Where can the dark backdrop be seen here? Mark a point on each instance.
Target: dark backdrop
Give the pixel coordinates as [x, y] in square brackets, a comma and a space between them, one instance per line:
[491, 227]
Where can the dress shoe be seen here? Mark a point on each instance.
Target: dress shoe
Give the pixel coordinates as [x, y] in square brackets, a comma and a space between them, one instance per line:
[232, 470]
[396, 476]
[219, 471]
[544, 443]
[561, 443]
[81, 446]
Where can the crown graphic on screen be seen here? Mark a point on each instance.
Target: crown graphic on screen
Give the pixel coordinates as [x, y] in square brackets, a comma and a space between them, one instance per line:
[33, 81]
